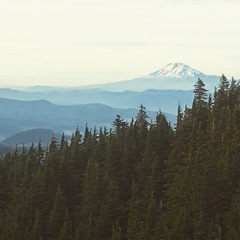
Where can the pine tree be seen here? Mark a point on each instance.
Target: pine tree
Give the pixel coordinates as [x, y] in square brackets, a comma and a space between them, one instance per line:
[66, 231]
[199, 106]
[37, 231]
[116, 232]
[57, 215]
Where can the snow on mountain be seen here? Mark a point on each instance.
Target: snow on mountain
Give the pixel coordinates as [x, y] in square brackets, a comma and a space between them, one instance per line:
[174, 76]
[176, 70]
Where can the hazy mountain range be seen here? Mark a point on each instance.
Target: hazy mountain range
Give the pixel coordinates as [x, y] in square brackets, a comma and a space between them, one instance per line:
[152, 99]
[174, 82]
[31, 136]
[174, 76]
[61, 109]
[17, 116]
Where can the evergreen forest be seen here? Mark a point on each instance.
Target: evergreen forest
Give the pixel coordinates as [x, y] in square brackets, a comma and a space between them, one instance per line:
[141, 180]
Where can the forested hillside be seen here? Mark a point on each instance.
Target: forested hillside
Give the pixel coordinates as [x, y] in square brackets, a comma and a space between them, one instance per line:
[141, 180]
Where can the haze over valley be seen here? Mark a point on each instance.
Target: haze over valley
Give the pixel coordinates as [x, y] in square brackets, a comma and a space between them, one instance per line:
[62, 109]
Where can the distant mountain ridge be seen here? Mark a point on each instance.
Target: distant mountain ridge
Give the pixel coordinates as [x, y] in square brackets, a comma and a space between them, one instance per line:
[3, 149]
[173, 82]
[62, 109]
[174, 76]
[17, 116]
[31, 136]
[152, 99]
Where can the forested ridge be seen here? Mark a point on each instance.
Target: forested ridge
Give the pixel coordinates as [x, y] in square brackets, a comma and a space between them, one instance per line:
[140, 180]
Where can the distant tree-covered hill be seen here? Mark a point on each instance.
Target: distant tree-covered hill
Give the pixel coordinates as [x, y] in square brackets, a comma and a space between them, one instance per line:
[166, 100]
[17, 116]
[31, 136]
[3, 149]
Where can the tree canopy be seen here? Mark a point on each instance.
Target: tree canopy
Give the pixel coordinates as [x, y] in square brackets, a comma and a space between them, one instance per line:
[143, 179]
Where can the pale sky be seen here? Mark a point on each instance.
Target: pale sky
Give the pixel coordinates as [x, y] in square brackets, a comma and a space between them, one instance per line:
[78, 42]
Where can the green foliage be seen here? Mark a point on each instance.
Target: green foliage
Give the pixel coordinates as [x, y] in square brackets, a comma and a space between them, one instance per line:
[141, 180]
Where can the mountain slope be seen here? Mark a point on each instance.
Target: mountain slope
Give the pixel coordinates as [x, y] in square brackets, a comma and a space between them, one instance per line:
[151, 99]
[17, 116]
[175, 76]
[158, 90]
[30, 136]
[3, 149]
[176, 70]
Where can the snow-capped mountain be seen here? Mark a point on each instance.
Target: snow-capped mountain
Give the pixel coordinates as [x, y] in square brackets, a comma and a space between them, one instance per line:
[176, 70]
[174, 76]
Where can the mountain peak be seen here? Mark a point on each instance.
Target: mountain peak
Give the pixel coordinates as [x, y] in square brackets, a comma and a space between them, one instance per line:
[176, 70]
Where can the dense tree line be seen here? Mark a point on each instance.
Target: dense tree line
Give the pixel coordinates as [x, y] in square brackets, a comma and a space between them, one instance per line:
[141, 180]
